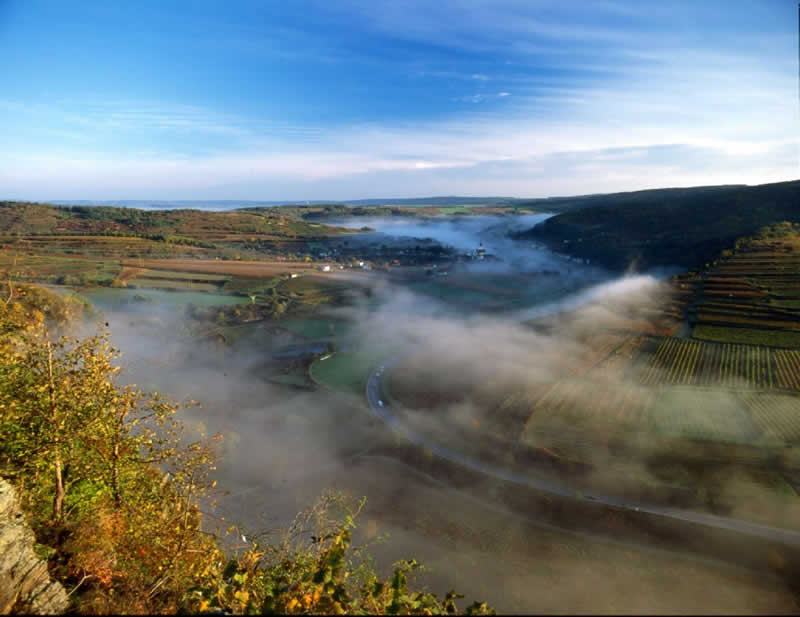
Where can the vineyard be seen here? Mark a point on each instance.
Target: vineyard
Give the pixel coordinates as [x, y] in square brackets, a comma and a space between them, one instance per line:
[685, 389]
[703, 415]
[686, 362]
[753, 288]
[777, 417]
[620, 358]
[788, 369]
[577, 414]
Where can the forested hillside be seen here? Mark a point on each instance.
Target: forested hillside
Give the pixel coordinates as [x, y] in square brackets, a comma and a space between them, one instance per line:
[672, 227]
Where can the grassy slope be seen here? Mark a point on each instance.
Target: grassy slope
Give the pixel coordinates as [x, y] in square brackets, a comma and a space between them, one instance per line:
[678, 227]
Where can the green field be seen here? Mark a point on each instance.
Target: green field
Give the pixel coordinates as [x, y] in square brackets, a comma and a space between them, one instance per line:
[113, 298]
[317, 327]
[347, 371]
[182, 285]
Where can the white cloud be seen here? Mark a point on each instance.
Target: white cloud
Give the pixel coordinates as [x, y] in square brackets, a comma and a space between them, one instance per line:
[635, 111]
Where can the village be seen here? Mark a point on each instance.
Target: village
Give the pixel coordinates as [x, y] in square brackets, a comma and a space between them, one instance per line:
[434, 258]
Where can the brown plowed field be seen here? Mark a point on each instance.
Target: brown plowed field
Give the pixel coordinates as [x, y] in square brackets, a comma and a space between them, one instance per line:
[255, 269]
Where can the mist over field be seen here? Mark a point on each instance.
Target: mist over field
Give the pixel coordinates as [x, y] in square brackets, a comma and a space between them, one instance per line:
[282, 448]
[518, 281]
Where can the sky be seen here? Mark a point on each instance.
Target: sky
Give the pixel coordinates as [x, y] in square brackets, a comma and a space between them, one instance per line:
[349, 99]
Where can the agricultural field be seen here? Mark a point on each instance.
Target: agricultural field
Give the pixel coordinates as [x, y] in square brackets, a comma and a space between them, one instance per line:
[114, 298]
[314, 290]
[98, 245]
[599, 349]
[727, 334]
[175, 275]
[777, 416]
[688, 362]
[172, 284]
[199, 225]
[347, 371]
[586, 403]
[58, 269]
[620, 361]
[703, 415]
[315, 328]
[254, 269]
[788, 369]
[575, 415]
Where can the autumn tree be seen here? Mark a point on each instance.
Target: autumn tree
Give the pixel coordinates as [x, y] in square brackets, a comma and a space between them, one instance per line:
[115, 491]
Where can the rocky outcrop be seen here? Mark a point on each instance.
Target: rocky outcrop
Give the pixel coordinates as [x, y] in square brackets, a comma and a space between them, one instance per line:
[25, 585]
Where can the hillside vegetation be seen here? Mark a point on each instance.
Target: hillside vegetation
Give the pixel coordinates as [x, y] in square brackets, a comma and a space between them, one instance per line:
[116, 493]
[35, 218]
[669, 227]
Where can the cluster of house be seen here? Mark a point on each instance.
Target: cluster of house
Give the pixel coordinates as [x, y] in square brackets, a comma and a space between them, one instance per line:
[361, 264]
[479, 254]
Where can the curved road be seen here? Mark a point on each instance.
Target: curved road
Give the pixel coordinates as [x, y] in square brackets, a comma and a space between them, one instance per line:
[382, 410]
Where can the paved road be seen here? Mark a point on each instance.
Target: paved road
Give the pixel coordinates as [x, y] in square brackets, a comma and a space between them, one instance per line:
[382, 409]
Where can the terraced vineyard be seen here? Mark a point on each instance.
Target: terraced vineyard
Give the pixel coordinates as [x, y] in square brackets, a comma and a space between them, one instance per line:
[750, 294]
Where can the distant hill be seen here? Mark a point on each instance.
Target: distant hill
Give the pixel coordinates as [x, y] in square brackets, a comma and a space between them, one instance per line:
[234, 204]
[552, 204]
[665, 227]
[453, 200]
[560, 204]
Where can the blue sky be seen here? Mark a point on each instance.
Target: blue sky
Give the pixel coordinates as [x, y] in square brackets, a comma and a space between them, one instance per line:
[348, 99]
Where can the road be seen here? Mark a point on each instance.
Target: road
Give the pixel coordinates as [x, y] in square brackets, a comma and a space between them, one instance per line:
[383, 410]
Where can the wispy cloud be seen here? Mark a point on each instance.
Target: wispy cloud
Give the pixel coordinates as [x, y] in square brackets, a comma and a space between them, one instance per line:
[605, 97]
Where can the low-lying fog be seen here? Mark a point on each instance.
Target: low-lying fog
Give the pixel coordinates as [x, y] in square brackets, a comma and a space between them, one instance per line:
[282, 448]
[467, 233]
[461, 232]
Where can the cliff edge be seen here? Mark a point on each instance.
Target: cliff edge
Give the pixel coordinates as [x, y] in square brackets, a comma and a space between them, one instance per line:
[25, 584]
